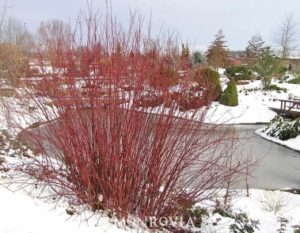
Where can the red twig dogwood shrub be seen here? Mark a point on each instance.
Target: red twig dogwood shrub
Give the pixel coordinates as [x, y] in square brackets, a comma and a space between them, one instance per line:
[115, 134]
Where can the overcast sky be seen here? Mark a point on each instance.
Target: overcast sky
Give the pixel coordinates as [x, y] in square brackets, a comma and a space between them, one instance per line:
[197, 21]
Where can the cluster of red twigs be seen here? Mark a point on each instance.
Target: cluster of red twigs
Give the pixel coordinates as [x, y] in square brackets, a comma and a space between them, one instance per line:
[101, 148]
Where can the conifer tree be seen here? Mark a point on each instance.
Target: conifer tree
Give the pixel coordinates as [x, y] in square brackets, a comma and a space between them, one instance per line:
[230, 96]
[217, 53]
[268, 65]
[196, 58]
[185, 56]
[185, 51]
[256, 46]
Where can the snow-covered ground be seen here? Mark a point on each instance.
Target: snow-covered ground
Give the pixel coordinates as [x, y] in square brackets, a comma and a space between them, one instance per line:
[23, 211]
[26, 208]
[268, 207]
[254, 105]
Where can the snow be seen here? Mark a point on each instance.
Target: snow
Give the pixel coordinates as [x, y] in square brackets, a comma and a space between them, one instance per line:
[15, 116]
[252, 109]
[32, 209]
[21, 213]
[254, 105]
[289, 77]
[221, 71]
[265, 206]
[261, 205]
[27, 208]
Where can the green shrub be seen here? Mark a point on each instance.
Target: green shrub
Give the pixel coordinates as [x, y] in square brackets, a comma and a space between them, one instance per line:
[294, 81]
[283, 129]
[225, 212]
[230, 96]
[196, 214]
[211, 79]
[238, 72]
[274, 87]
[288, 131]
[242, 223]
[268, 66]
[282, 69]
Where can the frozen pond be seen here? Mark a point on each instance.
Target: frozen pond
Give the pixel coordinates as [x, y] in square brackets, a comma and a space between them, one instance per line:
[279, 167]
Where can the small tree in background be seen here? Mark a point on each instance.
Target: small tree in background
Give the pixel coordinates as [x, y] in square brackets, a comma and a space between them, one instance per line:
[16, 45]
[13, 34]
[196, 58]
[217, 53]
[268, 65]
[13, 63]
[230, 96]
[185, 56]
[185, 51]
[254, 50]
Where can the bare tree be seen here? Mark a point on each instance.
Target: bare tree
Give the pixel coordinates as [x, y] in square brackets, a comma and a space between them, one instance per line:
[286, 36]
[15, 48]
[51, 36]
[16, 33]
[52, 33]
[3, 11]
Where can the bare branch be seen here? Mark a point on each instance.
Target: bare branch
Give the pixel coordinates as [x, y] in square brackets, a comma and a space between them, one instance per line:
[287, 36]
[3, 12]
